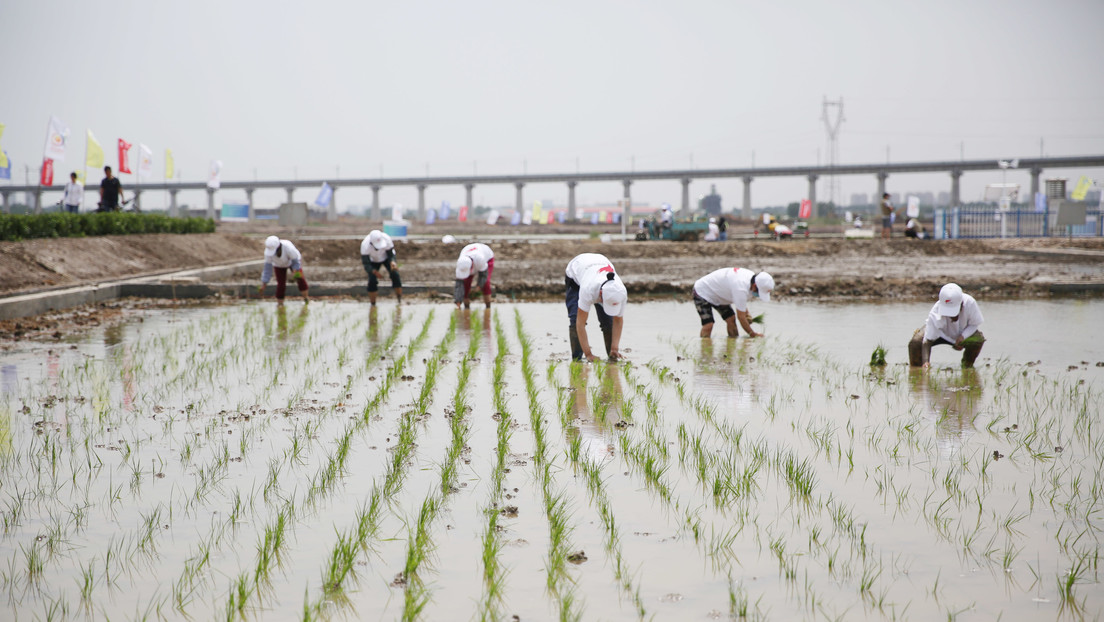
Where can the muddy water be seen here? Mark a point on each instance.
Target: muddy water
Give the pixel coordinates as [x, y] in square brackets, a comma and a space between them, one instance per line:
[152, 457]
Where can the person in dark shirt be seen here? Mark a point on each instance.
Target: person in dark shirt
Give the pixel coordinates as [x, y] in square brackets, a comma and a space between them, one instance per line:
[722, 226]
[111, 192]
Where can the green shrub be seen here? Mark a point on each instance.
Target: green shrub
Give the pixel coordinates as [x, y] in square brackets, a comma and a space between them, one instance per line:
[61, 225]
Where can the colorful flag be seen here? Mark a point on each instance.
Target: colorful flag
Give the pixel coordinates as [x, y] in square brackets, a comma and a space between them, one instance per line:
[168, 164]
[431, 216]
[551, 217]
[397, 212]
[4, 162]
[214, 175]
[463, 215]
[527, 218]
[445, 211]
[56, 134]
[1082, 189]
[145, 162]
[492, 217]
[538, 212]
[124, 147]
[47, 178]
[94, 156]
[325, 194]
[806, 210]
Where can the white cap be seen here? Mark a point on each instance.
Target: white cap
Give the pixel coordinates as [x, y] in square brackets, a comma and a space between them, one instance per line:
[375, 238]
[614, 296]
[464, 267]
[271, 244]
[764, 284]
[950, 300]
[448, 239]
[712, 220]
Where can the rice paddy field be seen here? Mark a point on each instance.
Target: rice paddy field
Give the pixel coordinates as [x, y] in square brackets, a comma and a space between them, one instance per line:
[333, 461]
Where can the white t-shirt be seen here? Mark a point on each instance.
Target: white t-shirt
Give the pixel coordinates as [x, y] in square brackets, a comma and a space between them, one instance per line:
[727, 286]
[287, 257]
[667, 215]
[480, 254]
[74, 194]
[589, 271]
[969, 319]
[714, 232]
[377, 255]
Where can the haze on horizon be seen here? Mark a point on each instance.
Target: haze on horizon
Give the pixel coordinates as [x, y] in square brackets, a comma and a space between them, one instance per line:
[335, 90]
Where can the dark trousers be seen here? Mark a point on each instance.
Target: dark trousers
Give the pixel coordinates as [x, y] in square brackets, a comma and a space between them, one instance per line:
[72, 209]
[372, 267]
[919, 349]
[571, 298]
[281, 282]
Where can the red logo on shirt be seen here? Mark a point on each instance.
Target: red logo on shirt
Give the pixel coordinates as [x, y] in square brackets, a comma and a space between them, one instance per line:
[606, 268]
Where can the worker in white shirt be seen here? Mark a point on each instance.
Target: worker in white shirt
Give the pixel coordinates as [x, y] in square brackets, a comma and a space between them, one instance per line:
[475, 259]
[74, 194]
[714, 233]
[378, 251]
[666, 217]
[727, 288]
[953, 321]
[592, 283]
[280, 256]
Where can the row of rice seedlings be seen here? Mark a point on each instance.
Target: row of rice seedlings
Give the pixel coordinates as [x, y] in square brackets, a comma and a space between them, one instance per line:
[494, 574]
[556, 505]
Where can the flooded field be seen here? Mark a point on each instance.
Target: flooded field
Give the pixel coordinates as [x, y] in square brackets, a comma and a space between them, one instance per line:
[337, 462]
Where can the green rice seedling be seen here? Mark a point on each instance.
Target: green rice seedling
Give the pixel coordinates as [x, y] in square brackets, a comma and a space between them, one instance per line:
[759, 319]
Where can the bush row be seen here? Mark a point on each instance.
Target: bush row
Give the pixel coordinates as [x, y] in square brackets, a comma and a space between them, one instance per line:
[25, 226]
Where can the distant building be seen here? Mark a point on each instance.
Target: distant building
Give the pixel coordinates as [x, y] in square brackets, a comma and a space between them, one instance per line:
[860, 198]
[943, 198]
[711, 202]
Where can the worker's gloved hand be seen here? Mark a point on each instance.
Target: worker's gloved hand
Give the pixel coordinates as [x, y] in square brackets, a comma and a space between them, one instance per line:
[298, 275]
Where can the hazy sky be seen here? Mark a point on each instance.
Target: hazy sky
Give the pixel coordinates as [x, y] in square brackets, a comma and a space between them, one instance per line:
[276, 89]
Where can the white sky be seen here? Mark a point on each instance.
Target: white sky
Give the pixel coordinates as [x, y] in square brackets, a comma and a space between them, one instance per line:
[276, 89]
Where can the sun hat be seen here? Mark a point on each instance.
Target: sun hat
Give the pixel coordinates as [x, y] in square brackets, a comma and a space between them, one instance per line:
[950, 300]
[614, 295]
[271, 244]
[464, 267]
[764, 282]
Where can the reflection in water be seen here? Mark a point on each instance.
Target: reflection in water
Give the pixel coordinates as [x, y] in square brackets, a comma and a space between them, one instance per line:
[953, 399]
[727, 373]
[596, 415]
[9, 378]
[113, 334]
[282, 328]
[373, 324]
[487, 321]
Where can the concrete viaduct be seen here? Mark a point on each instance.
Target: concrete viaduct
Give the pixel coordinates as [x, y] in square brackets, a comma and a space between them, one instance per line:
[812, 173]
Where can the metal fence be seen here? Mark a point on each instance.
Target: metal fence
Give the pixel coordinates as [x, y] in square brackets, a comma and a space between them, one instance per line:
[990, 222]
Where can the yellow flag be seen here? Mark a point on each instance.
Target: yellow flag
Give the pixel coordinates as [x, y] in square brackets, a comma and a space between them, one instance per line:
[538, 212]
[80, 175]
[3, 156]
[94, 157]
[168, 164]
[1082, 189]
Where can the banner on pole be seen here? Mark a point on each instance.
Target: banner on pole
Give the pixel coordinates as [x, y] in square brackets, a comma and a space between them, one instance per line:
[168, 164]
[124, 156]
[527, 217]
[4, 161]
[214, 174]
[538, 212]
[492, 217]
[463, 215]
[806, 210]
[913, 209]
[94, 157]
[397, 211]
[1040, 202]
[145, 162]
[325, 195]
[47, 177]
[1081, 189]
[431, 217]
[515, 218]
[446, 211]
[56, 134]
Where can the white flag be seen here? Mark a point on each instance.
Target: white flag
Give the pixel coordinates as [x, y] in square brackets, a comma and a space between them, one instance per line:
[213, 174]
[397, 212]
[145, 162]
[56, 135]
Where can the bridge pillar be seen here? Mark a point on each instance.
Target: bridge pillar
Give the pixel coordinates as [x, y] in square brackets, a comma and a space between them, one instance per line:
[331, 211]
[881, 188]
[812, 195]
[955, 175]
[626, 206]
[211, 203]
[468, 197]
[249, 200]
[1035, 172]
[290, 194]
[518, 205]
[7, 204]
[421, 202]
[685, 211]
[747, 197]
[137, 200]
[172, 203]
[38, 200]
[375, 203]
[572, 216]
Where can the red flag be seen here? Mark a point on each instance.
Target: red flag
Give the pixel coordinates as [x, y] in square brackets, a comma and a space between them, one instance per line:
[463, 216]
[551, 218]
[47, 172]
[806, 209]
[124, 146]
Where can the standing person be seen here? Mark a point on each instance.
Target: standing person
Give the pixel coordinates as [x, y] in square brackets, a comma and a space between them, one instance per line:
[722, 225]
[111, 192]
[474, 259]
[590, 280]
[74, 194]
[953, 321]
[376, 251]
[887, 217]
[727, 288]
[280, 255]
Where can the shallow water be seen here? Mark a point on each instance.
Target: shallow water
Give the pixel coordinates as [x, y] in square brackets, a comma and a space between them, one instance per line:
[779, 474]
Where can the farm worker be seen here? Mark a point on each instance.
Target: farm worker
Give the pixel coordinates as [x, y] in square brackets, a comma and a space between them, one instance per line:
[727, 288]
[667, 217]
[591, 282]
[888, 212]
[714, 233]
[279, 256]
[913, 229]
[954, 321]
[475, 259]
[377, 251]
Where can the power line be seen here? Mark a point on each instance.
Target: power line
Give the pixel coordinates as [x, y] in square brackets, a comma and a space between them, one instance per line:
[832, 126]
